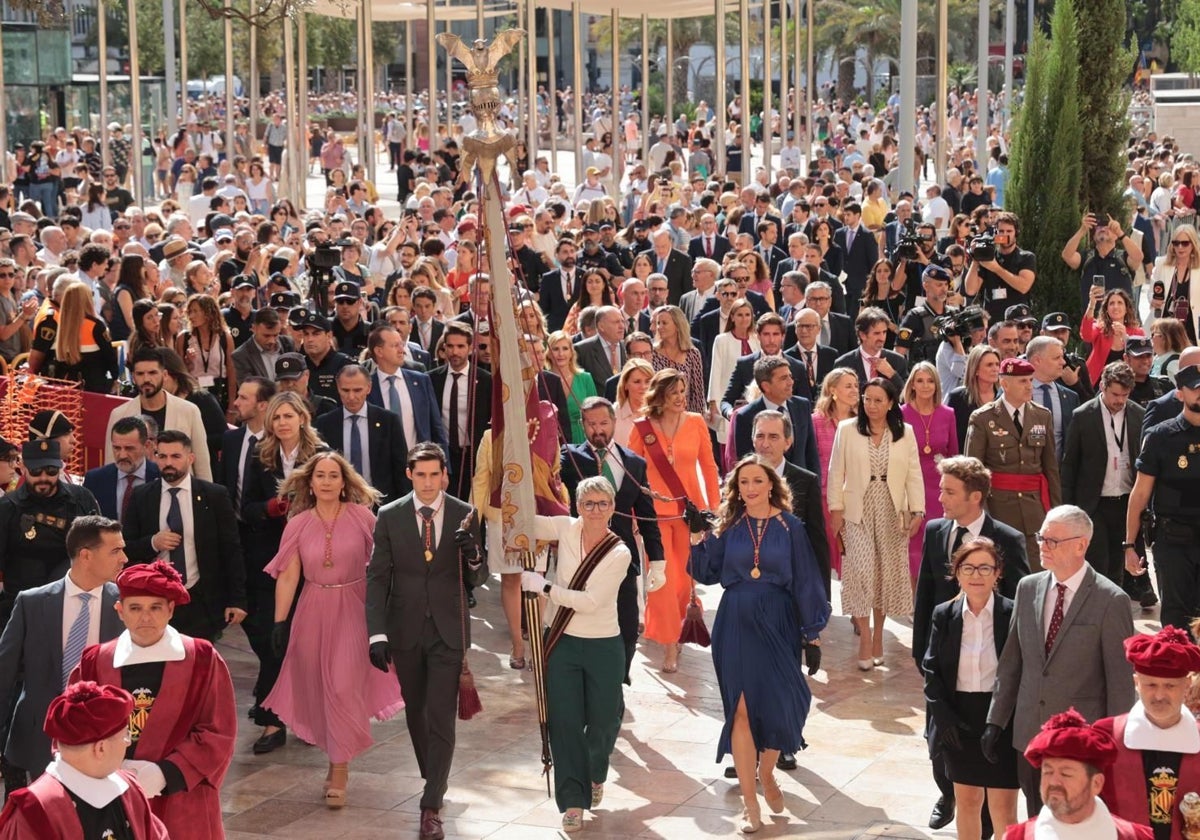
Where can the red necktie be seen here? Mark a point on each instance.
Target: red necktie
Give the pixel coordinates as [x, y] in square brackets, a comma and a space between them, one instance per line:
[1056, 618]
[871, 361]
[708, 247]
[746, 351]
[127, 495]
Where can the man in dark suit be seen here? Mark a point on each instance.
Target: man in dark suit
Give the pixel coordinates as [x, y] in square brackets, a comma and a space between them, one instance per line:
[464, 421]
[41, 644]
[415, 358]
[709, 243]
[426, 328]
[817, 358]
[770, 341]
[965, 485]
[1098, 469]
[836, 330]
[416, 613]
[757, 213]
[113, 484]
[813, 257]
[768, 247]
[603, 355]
[675, 265]
[633, 303]
[186, 521]
[1066, 646]
[1046, 354]
[371, 437]
[894, 230]
[406, 393]
[774, 377]
[257, 355]
[557, 288]
[628, 472]
[870, 359]
[240, 445]
[861, 253]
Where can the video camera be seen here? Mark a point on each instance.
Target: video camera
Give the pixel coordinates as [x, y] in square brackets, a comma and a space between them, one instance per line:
[909, 245]
[982, 247]
[961, 322]
[320, 264]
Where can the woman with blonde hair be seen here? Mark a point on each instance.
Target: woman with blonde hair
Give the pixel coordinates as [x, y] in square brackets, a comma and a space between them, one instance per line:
[838, 401]
[673, 348]
[577, 383]
[327, 690]
[1173, 274]
[739, 339]
[937, 438]
[81, 350]
[631, 396]
[427, 272]
[980, 387]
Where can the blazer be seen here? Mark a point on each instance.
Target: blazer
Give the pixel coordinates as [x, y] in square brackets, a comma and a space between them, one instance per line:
[841, 333]
[854, 361]
[1086, 667]
[436, 328]
[850, 472]
[721, 247]
[1069, 401]
[248, 360]
[427, 411]
[858, 259]
[31, 665]
[749, 224]
[386, 447]
[218, 549]
[555, 305]
[826, 360]
[1085, 459]
[940, 663]
[804, 441]
[772, 258]
[678, 270]
[642, 322]
[757, 301]
[579, 462]
[594, 359]
[403, 588]
[103, 481]
[743, 378]
[807, 506]
[231, 468]
[181, 415]
[415, 354]
[934, 584]
[1160, 410]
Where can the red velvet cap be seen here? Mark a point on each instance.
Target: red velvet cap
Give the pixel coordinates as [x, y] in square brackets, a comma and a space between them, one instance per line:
[1068, 735]
[87, 712]
[1016, 367]
[1169, 654]
[158, 579]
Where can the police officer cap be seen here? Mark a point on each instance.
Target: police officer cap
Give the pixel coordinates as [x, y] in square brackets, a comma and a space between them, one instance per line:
[315, 320]
[284, 300]
[1018, 312]
[290, 366]
[345, 290]
[1138, 346]
[296, 317]
[48, 423]
[38, 454]
[591, 228]
[1056, 321]
[936, 272]
[244, 281]
[1188, 377]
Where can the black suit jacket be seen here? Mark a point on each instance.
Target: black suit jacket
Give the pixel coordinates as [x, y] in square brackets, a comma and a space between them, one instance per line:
[842, 337]
[1085, 458]
[436, 328]
[679, 274]
[102, 483]
[858, 259]
[1167, 407]
[806, 504]
[934, 584]
[853, 360]
[222, 581]
[749, 224]
[721, 247]
[826, 360]
[231, 449]
[579, 462]
[385, 447]
[555, 305]
[804, 441]
[640, 324]
[743, 378]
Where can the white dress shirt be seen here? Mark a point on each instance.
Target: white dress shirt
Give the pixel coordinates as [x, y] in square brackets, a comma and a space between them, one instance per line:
[596, 604]
[1117, 478]
[268, 358]
[612, 457]
[72, 605]
[1073, 583]
[407, 420]
[460, 411]
[977, 655]
[1009, 408]
[139, 478]
[363, 435]
[189, 534]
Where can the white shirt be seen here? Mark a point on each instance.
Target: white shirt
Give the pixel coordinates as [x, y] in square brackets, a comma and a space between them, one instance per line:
[596, 604]
[1099, 826]
[95, 792]
[287, 460]
[1073, 583]
[189, 535]
[612, 457]
[72, 605]
[169, 648]
[139, 478]
[407, 421]
[974, 529]
[460, 411]
[363, 435]
[1009, 408]
[1117, 478]
[977, 653]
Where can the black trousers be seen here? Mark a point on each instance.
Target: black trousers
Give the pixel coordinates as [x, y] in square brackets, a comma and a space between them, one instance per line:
[627, 616]
[196, 618]
[260, 619]
[1177, 564]
[1108, 523]
[428, 674]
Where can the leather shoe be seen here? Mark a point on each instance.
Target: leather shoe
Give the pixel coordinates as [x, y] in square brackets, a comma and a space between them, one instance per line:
[730, 772]
[943, 813]
[786, 761]
[471, 602]
[431, 825]
[272, 742]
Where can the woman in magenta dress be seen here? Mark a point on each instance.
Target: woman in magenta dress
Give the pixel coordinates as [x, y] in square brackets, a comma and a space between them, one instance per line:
[838, 402]
[327, 691]
[937, 438]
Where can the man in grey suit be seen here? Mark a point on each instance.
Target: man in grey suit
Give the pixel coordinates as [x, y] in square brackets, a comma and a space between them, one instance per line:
[603, 355]
[49, 628]
[257, 356]
[1066, 646]
[416, 613]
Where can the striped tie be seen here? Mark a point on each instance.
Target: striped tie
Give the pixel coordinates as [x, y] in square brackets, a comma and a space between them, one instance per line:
[77, 637]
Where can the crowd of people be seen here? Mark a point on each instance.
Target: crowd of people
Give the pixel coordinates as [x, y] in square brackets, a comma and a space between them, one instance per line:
[767, 383]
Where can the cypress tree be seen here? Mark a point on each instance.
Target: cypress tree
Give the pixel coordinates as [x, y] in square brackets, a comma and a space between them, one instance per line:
[1104, 65]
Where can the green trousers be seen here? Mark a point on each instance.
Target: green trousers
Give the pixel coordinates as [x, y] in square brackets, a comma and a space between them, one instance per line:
[583, 693]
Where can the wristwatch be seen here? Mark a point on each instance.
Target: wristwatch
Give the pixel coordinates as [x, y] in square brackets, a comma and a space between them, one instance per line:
[546, 588]
[1126, 545]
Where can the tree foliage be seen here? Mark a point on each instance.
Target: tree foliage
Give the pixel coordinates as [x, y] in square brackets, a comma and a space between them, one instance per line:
[1185, 36]
[1046, 158]
[1104, 65]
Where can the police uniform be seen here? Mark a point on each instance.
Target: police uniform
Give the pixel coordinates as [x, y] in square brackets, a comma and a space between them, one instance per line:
[354, 340]
[239, 325]
[322, 378]
[292, 366]
[1025, 477]
[919, 335]
[1151, 388]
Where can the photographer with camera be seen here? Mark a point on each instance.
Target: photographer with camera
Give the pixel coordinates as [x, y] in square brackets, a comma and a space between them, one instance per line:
[963, 329]
[1106, 261]
[1001, 274]
[1075, 373]
[924, 326]
[915, 251]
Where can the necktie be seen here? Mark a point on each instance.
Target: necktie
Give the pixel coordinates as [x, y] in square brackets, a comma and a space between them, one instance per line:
[605, 469]
[812, 368]
[708, 247]
[175, 523]
[128, 494]
[568, 286]
[871, 362]
[1046, 400]
[1017, 422]
[427, 531]
[1056, 618]
[425, 327]
[251, 446]
[455, 443]
[825, 331]
[614, 359]
[662, 265]
[849, 239]
[393, 394]
[76, 636]
[356, 456]
[960, 534]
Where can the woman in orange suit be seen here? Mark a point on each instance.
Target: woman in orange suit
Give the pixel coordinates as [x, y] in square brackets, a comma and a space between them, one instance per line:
[680, 465]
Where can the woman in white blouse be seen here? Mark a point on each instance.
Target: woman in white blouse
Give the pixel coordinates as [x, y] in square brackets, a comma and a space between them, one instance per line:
[738, 339]
[585, 659]
[631, 396]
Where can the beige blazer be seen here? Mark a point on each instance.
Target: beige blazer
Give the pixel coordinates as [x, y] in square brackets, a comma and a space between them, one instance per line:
[850, 473]
[181, 415]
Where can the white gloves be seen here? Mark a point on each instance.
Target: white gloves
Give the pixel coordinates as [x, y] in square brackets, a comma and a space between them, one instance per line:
[657, 578]
[533, 582]
[149, 776]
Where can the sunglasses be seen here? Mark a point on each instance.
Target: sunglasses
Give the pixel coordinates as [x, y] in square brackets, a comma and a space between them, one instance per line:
[50, 471]
[1179, 243]
[6, 275]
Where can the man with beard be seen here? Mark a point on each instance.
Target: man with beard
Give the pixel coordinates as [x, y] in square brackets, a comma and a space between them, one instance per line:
[113, 484]
[239, 315]
[34, 520]
[1074, 759]
[919, 339]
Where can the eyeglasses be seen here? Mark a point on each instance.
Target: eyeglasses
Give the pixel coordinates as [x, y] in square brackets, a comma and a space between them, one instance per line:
[6, 275]
[1180, 243]
[50, 471]
[812, 299]
[740, 278]
[595, 504]
[967, 570]
[728, 294]
[1052, 543]
[807, 326]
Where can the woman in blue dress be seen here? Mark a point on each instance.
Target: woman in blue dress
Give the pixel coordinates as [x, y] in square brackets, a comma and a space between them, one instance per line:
[771, 613]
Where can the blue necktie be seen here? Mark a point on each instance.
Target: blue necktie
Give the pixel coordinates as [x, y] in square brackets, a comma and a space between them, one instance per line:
[1048, 402]
[356, 459]
[76, 637]
[393, 394]
[175, 523]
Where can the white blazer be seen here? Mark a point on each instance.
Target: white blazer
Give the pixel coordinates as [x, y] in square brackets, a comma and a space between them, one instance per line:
[182, 416]
[850, 472]
[1165, 273]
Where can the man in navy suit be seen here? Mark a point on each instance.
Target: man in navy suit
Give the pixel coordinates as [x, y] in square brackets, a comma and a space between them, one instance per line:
[557, 287]
[628, 472]
[773, 374]
[673, 264]
[757, 213]
[709, 243]
[1048, 358]
[768, 246]
[870, 359]
[633, 306]
[371, 437]
[861, 253]
[406, 393]
[818, 359]
[770, 341]
[239, 445]
[414, 354]
[426, 328]
[113, 484]
[836, 330]
[452, 384]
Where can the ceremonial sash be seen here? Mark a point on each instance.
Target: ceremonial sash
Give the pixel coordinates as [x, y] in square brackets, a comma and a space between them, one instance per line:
[1023, 484]
[656, 454]
[578, 581]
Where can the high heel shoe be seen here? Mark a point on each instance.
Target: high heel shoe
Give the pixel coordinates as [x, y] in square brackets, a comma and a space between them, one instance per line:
[771, 792]
[335, 794]
[865, 664]
[751, 820]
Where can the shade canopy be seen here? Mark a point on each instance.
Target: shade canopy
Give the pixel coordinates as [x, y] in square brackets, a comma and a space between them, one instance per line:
[397, 10]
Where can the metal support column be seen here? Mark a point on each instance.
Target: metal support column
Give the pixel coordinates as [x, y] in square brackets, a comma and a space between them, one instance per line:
[618, 131]
[766, 115]
[906, 123]
[3, 111]
[136, 159]
[810, 84]
[102, 46]
[784, 82]
[298, 133]
[292, 188]
[577, 83]
[230, 108]
[798, 73]
[168, 13]
[720, 105]
[981, 107]
[645, 92]
[943, 57]
[669, 102]
[431, 54]
[252, 131]
[368, 90]
[1010, 36]
[410, 73]
[744, 90]
[531, 83]
[552, 87]
[183, 63]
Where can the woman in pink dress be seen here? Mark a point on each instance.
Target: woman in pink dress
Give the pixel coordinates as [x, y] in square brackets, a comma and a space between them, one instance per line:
[937, 438]
[838, 402]
[327, 691]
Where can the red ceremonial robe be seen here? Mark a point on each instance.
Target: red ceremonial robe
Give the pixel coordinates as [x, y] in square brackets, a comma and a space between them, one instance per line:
[45, 810]
[193, 725]
[1125, 791]
[1125, 830]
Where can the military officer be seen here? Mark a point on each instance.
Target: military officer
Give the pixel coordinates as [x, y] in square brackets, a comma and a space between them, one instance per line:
[1168, 469]
[918, 338]
[1014, 438]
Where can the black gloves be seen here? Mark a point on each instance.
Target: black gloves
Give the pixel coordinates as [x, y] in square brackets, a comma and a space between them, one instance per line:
[279, 638]
[812, 657]
[379, 655]
[989, 742]
[468, 549]
[697, 521]
[950, 735]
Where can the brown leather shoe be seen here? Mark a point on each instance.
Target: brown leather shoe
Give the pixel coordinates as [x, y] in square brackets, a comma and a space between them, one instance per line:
[431, 825]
